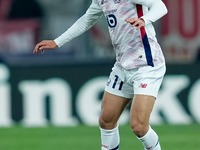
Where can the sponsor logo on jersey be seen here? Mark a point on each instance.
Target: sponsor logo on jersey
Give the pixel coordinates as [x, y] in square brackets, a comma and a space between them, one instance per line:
[117, 1]
[109, 12]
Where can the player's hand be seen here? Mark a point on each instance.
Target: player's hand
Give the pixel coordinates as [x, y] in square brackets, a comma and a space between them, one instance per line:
[46, 44]
[135, 22]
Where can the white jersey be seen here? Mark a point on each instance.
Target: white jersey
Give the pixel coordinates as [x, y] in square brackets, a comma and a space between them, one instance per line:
[133, 48]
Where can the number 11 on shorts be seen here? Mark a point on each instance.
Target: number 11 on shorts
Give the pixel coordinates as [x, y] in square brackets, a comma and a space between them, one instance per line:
[115, 83]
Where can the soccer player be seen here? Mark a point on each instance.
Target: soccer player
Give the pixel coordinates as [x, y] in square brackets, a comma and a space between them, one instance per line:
[139, 68]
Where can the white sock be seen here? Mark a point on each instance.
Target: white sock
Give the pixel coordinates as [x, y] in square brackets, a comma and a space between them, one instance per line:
[150, 140]
[110, 139]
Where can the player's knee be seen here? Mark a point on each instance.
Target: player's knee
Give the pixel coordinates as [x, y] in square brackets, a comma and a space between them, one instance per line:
[106, 123]
[139, 128]
[102, 122]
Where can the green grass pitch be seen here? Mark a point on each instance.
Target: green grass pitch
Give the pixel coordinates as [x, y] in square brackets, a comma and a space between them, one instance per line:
[179, 137]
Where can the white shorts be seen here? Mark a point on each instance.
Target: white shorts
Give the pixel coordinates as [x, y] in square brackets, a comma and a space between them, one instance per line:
[144, 80]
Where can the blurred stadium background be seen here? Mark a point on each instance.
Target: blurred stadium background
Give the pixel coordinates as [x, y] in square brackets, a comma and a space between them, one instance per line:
[52, 101]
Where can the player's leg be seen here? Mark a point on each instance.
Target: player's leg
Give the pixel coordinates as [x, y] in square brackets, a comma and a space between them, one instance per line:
[141, 108]
[112, 107]
[146, 82]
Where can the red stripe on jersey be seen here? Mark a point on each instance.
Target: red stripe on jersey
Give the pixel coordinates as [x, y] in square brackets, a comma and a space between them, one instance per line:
[145, 40]
[140, 14]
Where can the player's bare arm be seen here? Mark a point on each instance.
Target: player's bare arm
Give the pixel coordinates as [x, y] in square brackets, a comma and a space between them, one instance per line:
[135, 22]
[46, 44]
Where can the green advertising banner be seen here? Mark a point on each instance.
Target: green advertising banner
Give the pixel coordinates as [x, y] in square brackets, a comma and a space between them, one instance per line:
[70, 94]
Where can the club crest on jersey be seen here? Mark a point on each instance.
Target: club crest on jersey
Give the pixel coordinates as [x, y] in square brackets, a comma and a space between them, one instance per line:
[117, 1]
